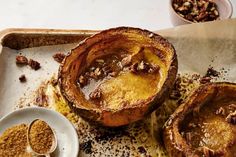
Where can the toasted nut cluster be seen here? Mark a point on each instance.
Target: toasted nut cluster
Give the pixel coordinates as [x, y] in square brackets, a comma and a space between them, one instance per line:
[22, 60]
[112, 65]
[196, 10]
[59, 57]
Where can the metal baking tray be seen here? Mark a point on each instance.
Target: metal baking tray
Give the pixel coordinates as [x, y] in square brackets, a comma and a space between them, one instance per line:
[198, 47]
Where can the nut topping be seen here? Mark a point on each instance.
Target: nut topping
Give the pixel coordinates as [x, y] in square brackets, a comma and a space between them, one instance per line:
[220, 111]
[126, 60]
[196, 10]
[34, 64]
[96, 94]
[208, 152]
[21, 60]
[59, 57]
[143, 67]
[231, 118]
[82, 81]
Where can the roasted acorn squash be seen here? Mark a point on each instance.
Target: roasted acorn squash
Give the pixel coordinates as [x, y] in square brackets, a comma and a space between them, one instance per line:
[205, 125]
[118, 75]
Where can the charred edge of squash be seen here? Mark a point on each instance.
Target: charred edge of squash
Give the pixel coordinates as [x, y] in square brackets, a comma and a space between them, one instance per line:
[173, 141]
[171, 76]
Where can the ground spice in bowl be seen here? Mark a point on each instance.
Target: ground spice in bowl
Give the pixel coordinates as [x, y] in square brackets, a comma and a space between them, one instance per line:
[41, 137]
[13, 142]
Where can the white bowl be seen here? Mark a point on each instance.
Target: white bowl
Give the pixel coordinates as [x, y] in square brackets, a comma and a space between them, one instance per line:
[225, 9]
[67, 138]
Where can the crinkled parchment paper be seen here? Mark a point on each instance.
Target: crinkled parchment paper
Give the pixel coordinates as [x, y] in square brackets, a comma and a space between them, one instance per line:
[198, 47]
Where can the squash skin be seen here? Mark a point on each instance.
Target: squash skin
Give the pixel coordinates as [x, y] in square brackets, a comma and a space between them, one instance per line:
[177, 145]
[124, 115]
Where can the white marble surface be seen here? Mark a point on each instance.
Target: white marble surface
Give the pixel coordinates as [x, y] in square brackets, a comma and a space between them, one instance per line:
[86, 14]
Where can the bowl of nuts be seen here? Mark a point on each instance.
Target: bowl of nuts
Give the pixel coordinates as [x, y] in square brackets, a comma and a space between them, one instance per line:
[195, 11]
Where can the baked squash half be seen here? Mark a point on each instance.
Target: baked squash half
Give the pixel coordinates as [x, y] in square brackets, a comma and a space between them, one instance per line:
[118, 75]
[205, 125]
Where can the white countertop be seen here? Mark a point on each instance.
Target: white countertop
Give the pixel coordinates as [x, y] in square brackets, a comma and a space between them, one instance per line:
[86, 14]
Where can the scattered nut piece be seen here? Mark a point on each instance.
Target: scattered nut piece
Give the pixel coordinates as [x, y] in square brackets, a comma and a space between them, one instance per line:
[220, 111]
[100, 61]
[34, 64]
[82, 81]
[97, 72]
[134, 67]
[59, 57]
[21, 60]
[113, 74]
[144, 67]
[231, 118]
[126, 61]
[208, 152]
[22, 78]
[106, 70]
[96, 94]
[153, 69]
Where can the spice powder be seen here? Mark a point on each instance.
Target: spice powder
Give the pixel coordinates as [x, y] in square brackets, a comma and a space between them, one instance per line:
[13, 142]
[41, 137]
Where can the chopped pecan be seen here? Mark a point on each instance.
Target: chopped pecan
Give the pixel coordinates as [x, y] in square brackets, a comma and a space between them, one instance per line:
[188, 136]
[126, 61]
[192, 125]
[82, 80]
[142, 66]
[101, 61]
[106, 70]
[34, 64]
[134, 67]
[233, 106]
[97, 72]
[231, 118]
[22, 78]
[208, 152]
[59, 57]
[21, 60]
[96, 94]
[113, 74]
[220, 111]
[153, 69]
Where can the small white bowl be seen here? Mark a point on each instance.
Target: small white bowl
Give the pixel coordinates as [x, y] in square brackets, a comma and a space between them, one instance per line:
[225, 9]
[67, 137]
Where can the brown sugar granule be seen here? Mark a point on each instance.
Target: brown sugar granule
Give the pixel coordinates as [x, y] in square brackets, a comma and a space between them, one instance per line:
[34, 64]
[59, 57]
[41, 137]
[21, 60]
[22, 78]
[13, 142]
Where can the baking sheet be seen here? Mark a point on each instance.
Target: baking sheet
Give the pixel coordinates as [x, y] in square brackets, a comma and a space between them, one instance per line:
[198, 46]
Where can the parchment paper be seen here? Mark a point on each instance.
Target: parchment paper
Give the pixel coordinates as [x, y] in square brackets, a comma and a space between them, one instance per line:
[198, 46]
